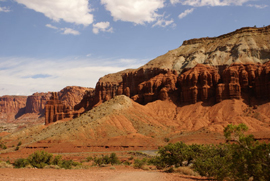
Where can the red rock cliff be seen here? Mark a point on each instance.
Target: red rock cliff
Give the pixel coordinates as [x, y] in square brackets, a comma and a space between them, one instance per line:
[12, 107]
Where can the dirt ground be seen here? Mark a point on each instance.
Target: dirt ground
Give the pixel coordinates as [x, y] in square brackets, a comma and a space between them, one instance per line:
[99, 174]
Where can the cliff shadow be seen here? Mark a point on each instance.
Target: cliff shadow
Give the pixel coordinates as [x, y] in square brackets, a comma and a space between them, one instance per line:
[20, 113]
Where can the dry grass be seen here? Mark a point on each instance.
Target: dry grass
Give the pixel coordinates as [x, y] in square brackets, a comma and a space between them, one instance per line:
[51, 167]
[186, 171]
[5, 165]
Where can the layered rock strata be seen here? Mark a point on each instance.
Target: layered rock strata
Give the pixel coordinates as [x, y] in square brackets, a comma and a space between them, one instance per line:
[55, 110]
[224, 67]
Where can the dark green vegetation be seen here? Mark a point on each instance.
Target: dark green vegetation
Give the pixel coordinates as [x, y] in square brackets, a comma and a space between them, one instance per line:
[40, 159]
[104, 160]
[241, 158]
[2, 145]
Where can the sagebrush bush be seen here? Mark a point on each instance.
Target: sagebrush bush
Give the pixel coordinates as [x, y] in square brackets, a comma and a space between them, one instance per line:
[40, 159]
[104, 160]
[21, 162]
[140, 163]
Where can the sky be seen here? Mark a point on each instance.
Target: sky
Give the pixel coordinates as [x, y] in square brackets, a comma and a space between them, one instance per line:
[46, 45]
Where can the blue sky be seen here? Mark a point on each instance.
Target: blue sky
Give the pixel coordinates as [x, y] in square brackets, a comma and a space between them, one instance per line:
[46, 45]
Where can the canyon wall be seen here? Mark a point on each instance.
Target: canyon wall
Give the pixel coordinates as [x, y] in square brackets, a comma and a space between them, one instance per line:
[12, 107]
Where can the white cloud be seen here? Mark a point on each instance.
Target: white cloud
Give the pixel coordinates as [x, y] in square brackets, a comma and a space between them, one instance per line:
[136, 11]
[185, 13]
[163, 23]
[102, 26]
[25, 76]
[71, 11]
[4, 9]
[258, 6]
[67, 31]
[51, 26]
[197, 3]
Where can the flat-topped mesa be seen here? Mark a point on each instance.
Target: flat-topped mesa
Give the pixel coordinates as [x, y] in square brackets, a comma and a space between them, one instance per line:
[55, 110]
[252, 30]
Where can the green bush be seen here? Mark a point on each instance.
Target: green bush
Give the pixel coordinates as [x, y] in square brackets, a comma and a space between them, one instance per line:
[140, 163]
[89, 158]
[242, 159]
[104, 160]
[67, 164]
[57, 160]
[21, 162]
[174, 154]
[114, 159]
[40, 159]
[214, 161]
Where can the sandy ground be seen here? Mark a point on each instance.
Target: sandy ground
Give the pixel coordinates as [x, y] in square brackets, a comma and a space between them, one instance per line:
[88, 174]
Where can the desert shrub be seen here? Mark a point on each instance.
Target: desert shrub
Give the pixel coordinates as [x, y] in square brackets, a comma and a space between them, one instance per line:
[114, 159]
[242, 159]
[40, 159]
[89, 158]
[214, 161]
[21, 162]
[57, 160]
[17, 148]
[126, 163]
[158, 162]
[104, 160]
[167, 139]
[67, 164]
[140, 163]
[19, 144]
[174, 154]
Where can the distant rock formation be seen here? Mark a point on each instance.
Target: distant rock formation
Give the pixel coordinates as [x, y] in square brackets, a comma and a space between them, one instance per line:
[13, 107]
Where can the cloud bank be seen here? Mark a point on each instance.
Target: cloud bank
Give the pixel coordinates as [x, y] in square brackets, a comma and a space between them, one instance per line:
[24, 76]
[71, 11]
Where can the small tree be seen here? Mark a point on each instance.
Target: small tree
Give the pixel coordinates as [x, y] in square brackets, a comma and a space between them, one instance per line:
[249, 157]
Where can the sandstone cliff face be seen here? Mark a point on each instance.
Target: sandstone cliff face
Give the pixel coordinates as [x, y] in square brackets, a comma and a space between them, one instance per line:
[11, 107]
[36, 103]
